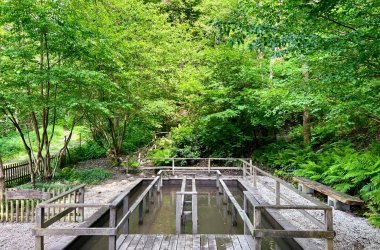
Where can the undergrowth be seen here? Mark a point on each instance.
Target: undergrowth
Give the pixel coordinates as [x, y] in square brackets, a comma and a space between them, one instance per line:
[83, 176]
[339, 165]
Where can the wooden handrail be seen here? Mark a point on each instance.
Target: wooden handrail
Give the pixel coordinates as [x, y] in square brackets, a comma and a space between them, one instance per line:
[62, 194]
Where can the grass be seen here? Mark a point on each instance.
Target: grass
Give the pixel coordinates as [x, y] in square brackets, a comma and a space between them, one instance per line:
[12, 149]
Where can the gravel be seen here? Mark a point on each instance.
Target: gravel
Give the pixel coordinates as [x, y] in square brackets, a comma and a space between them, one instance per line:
[352, 232]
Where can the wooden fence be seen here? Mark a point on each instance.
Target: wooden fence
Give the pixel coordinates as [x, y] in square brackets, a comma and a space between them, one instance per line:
[23, 209]
[19, 173]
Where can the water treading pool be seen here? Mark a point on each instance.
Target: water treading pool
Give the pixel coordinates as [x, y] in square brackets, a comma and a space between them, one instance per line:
[213, 217]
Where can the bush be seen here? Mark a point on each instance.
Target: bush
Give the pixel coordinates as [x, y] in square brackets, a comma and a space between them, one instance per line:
[87, 151]
[83, 176]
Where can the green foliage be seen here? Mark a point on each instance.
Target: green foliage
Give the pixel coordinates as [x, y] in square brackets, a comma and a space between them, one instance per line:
[80, 176]
[87, 151]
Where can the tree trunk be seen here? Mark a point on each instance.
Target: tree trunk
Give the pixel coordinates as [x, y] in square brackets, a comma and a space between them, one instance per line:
[306, 112]
[2, 180]
[306, 126]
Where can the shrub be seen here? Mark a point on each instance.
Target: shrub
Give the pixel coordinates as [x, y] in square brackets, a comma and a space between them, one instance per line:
[87, 151]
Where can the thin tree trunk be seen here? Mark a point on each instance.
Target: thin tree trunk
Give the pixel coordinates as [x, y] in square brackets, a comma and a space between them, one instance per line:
[2, 180]
[306, 126]
[306, 112]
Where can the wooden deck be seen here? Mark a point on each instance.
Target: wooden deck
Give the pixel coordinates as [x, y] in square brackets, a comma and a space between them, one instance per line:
[185, 241]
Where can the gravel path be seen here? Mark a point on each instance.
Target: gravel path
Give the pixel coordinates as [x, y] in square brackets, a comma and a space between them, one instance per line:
[352, 232]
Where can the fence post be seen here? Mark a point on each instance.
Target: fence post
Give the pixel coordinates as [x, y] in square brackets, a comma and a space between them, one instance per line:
[173, 165]
[329, 227]
[125, 211]
[39, 224]
[112, 224]
[278, 193]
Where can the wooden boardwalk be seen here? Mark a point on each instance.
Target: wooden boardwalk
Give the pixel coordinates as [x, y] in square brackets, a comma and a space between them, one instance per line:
[185, 241]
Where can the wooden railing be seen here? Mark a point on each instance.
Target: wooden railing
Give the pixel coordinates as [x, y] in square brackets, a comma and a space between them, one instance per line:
[174, 167]
[111, 231]
[258, 232]
[256, 229]
[20, 205]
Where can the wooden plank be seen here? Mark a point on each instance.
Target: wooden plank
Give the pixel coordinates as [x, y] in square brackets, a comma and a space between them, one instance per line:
[228, 242]
[236, 242]
[181, 241]
[173, 242]
[204, 241]
[142, 242]
[134, 242]
[165, 242]
[73, 231]
[212, 242]
[292, 233]
[345, 198]
[127, 240]
[189, 241]
[64, 194]
[27, 194]
[243, 241]
[196, 242]
[157, 242]
[150, 241]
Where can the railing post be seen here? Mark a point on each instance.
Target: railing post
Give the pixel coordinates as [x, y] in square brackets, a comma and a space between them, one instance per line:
[209, 165]
[112, 224]
[147, 202]
[234, 215]
[194, 214]
[81, 200]
[125, 211]
[257, 225]
[178, 214]
[40, 214]
[251, 166]
[278, 193]
[254, 177]
[173, 165]
[245, 209]
[141, 207]
[217, 180]
[244, 170]
[329, 227]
